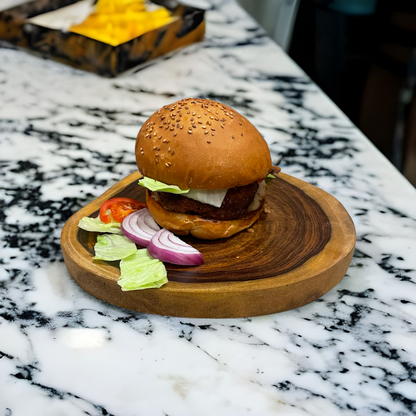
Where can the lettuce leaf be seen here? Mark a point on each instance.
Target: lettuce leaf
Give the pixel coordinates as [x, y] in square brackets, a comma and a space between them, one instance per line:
[97, 226]
[271, 176]
[141, 271]
[154, 185]
[113, 247]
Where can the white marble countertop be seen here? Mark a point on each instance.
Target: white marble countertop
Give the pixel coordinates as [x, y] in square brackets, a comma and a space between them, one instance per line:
[67, 135]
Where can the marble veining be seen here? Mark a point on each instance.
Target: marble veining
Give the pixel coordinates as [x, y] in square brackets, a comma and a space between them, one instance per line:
[67, 135]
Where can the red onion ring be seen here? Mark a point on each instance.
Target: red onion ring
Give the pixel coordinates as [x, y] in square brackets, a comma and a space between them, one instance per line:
[140, 227]
[166, 247]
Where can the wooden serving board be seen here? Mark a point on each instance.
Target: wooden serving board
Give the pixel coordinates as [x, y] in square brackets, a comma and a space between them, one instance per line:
[299, 249]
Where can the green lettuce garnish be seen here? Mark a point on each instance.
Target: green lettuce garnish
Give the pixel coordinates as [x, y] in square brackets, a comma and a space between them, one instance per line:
[154, 185]
[97, 226]
[141, 271]
[270, 177]
[113, 247]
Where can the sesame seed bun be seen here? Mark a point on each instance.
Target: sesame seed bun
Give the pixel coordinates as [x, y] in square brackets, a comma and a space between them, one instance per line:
[201, 144]
[184, 224]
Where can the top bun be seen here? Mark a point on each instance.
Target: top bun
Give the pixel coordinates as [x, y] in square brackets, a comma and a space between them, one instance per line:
[202, 144]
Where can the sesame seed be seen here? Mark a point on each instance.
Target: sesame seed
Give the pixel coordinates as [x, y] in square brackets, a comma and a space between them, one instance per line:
[212, 133]
[194, 126]
[212, 118]
[172, 152]
[241, 133]
[188, 112]
[142, 152]
[190, 131]
[240, 123]
[222, 126]
[178, 119]
[193, 113]
[154, 134]
[165, 141]
[205, 112]
[174, 134]
[192, 119]
[154, 147]
[233, 137]
[167, 164]
[206, 131]
[181, 127]
[160, 137]
[212, 129]
[199, 116]
[169, 149]
[147, 135]
[186, 108]
[172, 128]
[199, 122]
[208, 141]
[204, 127]
[209, 123]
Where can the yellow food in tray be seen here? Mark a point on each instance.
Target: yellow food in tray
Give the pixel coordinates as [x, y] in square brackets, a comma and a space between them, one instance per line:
[118, 21]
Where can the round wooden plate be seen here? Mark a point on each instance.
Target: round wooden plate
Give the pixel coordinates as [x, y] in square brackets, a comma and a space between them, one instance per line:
[299, 249]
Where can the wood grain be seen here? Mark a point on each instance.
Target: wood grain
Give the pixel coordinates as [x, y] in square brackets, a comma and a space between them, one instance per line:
[298, 250]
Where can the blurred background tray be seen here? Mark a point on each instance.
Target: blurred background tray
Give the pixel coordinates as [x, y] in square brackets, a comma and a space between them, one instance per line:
[92, 55]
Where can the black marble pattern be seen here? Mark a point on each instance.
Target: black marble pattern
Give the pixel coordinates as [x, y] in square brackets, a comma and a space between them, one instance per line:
[66, 136]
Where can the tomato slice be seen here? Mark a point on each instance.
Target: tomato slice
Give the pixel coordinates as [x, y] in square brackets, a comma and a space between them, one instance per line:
[117, 209]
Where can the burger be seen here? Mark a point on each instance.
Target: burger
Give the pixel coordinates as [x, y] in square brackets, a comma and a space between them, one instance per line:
[204, 166]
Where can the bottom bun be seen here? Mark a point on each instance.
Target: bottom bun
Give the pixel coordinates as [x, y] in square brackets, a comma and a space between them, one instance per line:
[184, 224]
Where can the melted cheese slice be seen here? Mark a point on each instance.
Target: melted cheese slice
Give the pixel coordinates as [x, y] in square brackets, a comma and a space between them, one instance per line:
[211, 197]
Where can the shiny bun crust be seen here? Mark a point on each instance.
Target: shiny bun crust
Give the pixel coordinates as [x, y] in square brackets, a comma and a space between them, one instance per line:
[199, 143]
[184, 224]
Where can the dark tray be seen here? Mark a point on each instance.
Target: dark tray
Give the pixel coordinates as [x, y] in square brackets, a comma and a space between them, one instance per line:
[91, 55]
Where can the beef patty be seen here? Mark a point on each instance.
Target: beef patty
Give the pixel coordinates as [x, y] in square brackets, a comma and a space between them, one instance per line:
[234, 205]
